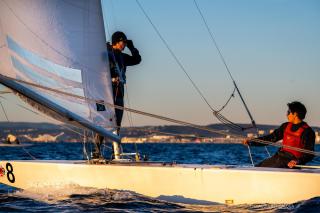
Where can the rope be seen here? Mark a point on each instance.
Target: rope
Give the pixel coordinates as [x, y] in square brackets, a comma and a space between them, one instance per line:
[129, 115]
[4, 111]
[43, 116]
[267, 151]
[84, 149]
[212, 39]
[225, 64]
[44, 42]
[227, 68]
[231, 96]
[164, 118]
[250, 156]
[174, 56]
[216, 113]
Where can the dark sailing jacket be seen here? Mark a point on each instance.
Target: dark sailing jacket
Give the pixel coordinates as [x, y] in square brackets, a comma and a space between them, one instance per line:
[119, 61]
[307, 140]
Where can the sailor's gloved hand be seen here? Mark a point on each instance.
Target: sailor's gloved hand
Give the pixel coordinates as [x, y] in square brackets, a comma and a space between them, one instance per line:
[246, 141]
[130, 44]
[292, 164]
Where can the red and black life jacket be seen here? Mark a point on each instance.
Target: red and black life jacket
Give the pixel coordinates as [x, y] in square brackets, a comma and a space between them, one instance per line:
[293, 139]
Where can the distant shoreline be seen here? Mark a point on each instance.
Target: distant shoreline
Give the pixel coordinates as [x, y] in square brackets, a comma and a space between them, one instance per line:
[48, 132]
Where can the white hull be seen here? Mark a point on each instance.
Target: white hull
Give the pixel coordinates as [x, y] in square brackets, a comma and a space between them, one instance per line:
[181, 183]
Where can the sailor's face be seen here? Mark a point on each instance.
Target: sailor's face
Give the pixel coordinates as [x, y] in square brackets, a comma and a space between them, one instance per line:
[291, 116]
[121, 45]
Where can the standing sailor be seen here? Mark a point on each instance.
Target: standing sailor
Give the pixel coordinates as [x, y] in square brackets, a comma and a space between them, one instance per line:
[118, 62]
[294, 133]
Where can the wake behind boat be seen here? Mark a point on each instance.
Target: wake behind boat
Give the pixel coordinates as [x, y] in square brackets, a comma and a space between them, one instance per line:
[64, 76]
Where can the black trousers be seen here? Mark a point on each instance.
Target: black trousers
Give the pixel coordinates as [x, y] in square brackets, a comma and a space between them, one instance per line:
[118, 94]
[279, 160]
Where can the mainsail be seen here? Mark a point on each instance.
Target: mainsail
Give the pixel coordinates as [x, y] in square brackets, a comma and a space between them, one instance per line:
[58, 44]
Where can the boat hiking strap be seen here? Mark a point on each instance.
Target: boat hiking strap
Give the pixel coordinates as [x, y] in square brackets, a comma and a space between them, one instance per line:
[89, 100]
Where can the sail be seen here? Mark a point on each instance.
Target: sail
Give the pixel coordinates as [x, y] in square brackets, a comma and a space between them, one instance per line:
[60, 45]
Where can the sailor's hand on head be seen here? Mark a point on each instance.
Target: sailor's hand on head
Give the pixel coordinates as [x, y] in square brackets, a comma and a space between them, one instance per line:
[130, 44]
[292, 164]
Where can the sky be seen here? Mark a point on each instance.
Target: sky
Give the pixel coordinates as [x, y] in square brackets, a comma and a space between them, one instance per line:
[270, 46]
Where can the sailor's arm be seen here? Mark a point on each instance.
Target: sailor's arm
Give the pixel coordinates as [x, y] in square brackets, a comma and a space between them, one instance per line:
[308, 140]
[275, 136]
[134, 58]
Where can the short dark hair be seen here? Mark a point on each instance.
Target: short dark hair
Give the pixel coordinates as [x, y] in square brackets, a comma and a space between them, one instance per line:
[299, 108]
[118, 36]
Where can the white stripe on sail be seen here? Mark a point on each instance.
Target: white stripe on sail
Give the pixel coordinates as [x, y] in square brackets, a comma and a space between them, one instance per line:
[63, 72]
[58, 44]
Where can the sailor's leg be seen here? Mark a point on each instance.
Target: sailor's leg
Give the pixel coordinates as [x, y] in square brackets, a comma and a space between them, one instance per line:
[119, 112]
[98, 139]
[276, 161]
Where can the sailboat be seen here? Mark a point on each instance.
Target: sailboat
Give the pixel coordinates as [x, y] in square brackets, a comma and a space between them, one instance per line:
[52, 57]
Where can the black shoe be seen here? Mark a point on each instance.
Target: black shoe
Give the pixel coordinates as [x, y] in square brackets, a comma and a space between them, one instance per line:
[96, 155]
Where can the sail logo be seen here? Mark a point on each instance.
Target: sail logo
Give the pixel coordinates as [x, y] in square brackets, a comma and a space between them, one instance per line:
[100, 106]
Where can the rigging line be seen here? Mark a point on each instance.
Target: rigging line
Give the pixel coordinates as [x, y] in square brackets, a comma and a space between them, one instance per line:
[227, 122]
[285, 146]
[172, 134]
[129, 115]
[173, 55]
[108, 29]
[114, 15]
[250, 156]
[9, 122]
[4, 92]
[166, 118]
[223, 60]
[43, 41]
[231, 96]
[41, 115]
[4, 112]
[212, 39]
[227, 68]
[178, 61]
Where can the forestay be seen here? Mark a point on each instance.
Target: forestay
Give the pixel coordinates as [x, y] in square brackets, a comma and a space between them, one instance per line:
[60, 45]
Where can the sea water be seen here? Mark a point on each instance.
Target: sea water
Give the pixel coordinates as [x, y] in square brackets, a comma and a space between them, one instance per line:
[74, 198]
